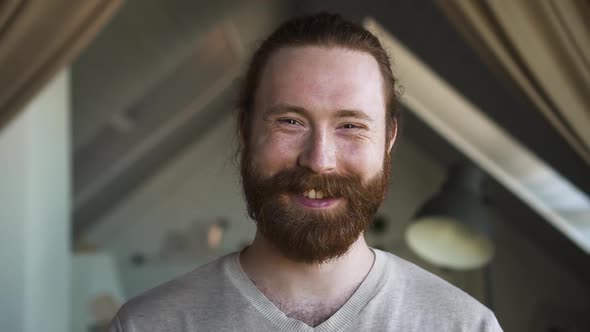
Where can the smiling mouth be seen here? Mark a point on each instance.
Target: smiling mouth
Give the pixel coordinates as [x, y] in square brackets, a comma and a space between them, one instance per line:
[316, 199]
[314, 194]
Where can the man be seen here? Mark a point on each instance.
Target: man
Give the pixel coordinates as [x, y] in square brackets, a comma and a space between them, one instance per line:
[317, 123]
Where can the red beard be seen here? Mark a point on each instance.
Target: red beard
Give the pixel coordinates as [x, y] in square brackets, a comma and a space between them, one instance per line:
[308, 235]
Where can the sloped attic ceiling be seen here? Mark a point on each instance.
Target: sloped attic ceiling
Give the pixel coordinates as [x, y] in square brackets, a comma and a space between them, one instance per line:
[156, 78]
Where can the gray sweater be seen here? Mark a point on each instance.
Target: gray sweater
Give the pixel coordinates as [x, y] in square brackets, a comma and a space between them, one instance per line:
[395, 296]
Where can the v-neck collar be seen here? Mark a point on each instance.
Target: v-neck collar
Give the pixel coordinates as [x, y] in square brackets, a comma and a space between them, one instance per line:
[338, 321]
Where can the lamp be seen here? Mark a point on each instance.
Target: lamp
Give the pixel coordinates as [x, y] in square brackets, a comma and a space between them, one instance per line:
[452, 229]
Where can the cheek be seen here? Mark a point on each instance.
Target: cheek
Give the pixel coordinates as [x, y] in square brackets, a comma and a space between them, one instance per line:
[362, 159]
[272, 153]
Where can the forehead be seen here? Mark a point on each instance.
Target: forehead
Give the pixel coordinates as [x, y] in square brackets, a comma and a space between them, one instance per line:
[322, 78]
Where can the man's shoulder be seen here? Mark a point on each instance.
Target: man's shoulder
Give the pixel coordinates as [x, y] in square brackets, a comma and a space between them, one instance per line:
[407, 277]
[187, 293]
[185, 286]
[428, 297]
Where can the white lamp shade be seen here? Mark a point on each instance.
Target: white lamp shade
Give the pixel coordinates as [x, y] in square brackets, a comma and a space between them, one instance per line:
[448, 243]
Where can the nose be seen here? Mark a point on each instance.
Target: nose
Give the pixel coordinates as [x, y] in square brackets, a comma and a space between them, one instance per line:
[319, 153]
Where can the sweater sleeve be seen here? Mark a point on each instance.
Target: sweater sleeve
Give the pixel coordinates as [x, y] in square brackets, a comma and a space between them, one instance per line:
[490, 324]
[115, 325]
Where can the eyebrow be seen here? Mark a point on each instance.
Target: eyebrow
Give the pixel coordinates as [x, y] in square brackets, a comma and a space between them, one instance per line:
[354, 114]
[282, 109]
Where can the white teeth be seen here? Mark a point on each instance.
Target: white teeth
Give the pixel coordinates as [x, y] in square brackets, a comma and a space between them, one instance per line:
[313, 194]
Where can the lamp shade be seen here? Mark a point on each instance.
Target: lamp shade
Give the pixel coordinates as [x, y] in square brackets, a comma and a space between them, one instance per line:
[453, 228]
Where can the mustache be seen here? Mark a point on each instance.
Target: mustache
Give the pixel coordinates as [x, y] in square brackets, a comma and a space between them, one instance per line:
[298, 180]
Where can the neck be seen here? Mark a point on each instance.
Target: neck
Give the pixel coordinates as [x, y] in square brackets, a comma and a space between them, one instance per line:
[292, 282]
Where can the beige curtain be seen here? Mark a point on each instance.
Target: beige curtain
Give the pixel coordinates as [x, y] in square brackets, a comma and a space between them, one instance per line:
[39, 37]
[544, 46]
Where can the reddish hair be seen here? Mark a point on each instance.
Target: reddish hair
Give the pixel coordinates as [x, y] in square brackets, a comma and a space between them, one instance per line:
[322, 29]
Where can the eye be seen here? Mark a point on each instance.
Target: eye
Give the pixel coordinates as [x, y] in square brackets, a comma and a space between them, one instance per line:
[291, 122]
[351, 126]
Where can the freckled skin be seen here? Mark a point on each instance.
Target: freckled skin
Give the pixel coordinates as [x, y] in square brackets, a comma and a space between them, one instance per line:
[322, 81]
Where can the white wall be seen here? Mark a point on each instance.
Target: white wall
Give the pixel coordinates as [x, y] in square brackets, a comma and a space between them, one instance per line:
[93, 274]
[34, 214]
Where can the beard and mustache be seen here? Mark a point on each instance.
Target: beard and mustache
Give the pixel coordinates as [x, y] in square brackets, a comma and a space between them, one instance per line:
[309, 235]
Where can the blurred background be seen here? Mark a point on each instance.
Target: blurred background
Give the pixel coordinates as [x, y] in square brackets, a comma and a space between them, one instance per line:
[117, 142]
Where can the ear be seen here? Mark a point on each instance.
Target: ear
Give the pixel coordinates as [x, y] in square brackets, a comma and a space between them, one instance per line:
[393, 137]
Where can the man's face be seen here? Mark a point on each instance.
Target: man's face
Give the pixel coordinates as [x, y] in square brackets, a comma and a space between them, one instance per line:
[316, 165]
